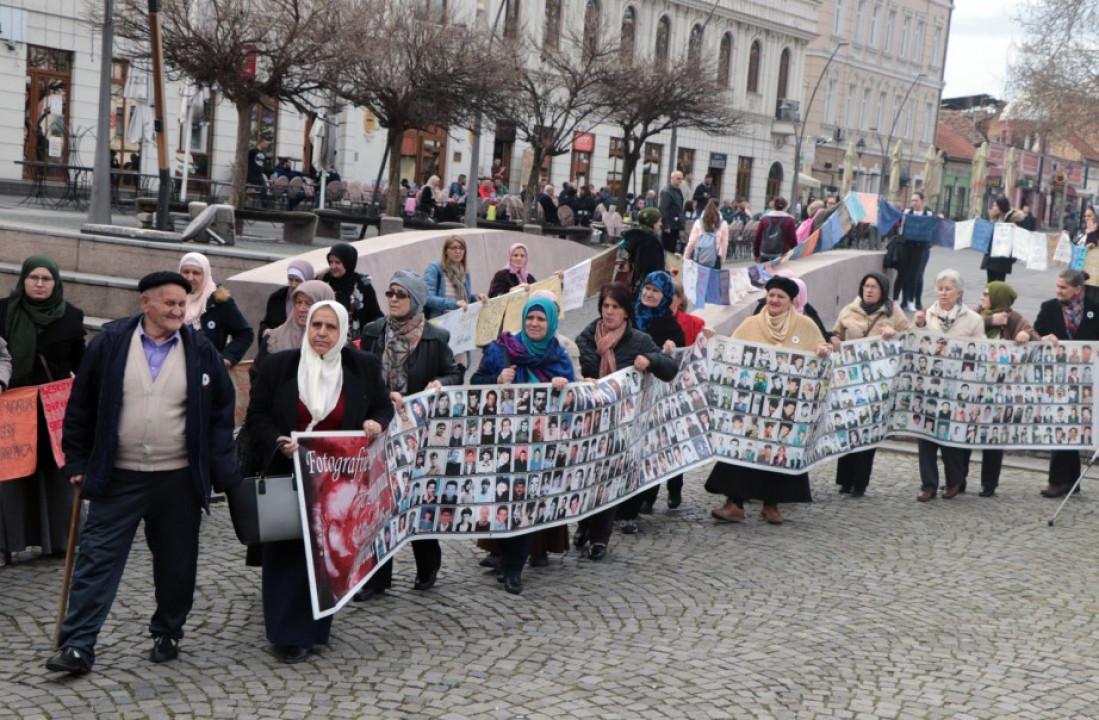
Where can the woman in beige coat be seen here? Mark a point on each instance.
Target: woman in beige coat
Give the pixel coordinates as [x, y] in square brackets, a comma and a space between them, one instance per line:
[871, 314]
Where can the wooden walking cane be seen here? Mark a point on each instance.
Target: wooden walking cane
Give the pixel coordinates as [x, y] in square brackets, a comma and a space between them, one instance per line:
[74, 525]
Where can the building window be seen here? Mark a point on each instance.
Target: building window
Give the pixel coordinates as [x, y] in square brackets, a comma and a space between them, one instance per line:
[906, 25]
[744, 177]
[725, 60]
[881, 113]
[583, 145]
[937, 47]
[783, 73]
[650, 167]
[592, 13]
[774, 181]
[46, 110]
[685, 160]
[917, 46]
[121, 110]
[928, 121]
[265, 126]
[694, 46]
[511, 19]
[753, 66]
[629, 33]
[856, 32]
[663, 40]
[614, 166]
[864, 114]
[830, 103]
[200, 136]
[849, 108]
[872, 40]
[837, 28]
[551, 39]
[890, 26]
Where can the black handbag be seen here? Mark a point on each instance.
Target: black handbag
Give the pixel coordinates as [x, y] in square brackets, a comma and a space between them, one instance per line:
[264, 507]
[893, 254]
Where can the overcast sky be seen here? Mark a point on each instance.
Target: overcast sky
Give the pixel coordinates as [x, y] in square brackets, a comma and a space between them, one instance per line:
[981, 36]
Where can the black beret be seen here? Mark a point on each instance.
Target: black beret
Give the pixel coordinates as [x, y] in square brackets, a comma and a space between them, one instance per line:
[784, 284]
[163, 277]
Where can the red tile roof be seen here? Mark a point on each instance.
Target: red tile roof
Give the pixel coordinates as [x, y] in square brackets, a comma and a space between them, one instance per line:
[955, 145]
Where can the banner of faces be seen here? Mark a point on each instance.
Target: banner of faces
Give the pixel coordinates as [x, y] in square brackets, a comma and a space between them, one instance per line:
[764, 403]
[995, 393]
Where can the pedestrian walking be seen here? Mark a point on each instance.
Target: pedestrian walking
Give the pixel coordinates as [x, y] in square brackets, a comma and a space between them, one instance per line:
[776, 233]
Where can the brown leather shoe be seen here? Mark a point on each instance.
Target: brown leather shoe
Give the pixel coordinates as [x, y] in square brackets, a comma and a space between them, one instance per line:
[729, 512]
[925, 496]
[951, 492]
[771, 514]
[1056, 491]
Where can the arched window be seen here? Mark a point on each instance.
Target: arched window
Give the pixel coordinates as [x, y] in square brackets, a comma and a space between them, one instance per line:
[783, 73]
[753, 66]
[552, 35]
[774, 181]
[592, 19]
[629, 33]
[663, 40]
[694, 46]
[725, 60]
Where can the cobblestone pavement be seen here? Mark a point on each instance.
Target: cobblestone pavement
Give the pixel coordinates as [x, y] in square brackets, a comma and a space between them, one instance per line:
[879, 607]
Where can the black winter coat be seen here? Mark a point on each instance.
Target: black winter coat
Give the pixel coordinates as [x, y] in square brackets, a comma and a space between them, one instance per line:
[431, 360]
[60, 345]
[273, 406]
[633, 343]
[90, 431]
[1051, 321]
[225, 327]
[275, 313]
[671, 209]
[503, 281]
[646, 254]
[664, 329]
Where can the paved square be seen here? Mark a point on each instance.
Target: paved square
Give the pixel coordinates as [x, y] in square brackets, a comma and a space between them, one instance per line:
[879, 607]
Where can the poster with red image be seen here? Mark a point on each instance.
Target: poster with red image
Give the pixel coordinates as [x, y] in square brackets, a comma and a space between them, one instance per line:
[346, 501]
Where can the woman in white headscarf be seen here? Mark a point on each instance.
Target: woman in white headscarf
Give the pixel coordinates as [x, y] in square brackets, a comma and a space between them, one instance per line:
[212, 310]
[324, 385]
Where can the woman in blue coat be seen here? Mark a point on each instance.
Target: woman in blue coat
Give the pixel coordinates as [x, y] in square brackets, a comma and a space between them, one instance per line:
[448, 282]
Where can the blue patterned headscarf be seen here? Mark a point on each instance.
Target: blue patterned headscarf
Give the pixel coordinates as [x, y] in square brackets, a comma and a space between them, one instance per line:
[642, 315]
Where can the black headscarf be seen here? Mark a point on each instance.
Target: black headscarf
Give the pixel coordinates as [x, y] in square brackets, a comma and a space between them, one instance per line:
[26, 318]
[885, 301]
[344, 286]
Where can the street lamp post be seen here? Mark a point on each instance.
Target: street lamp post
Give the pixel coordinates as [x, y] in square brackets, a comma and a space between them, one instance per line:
[886, 162]
[801, 130]
[99, 210]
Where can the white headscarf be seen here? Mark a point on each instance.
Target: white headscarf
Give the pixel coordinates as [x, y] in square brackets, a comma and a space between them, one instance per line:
[199, 296]
[320, 379]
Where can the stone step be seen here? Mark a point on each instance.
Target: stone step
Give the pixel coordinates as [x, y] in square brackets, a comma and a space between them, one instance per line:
[100, 296]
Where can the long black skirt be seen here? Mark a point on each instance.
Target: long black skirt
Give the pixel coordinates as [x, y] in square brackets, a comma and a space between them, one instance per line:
[287, 608]
[741, 483]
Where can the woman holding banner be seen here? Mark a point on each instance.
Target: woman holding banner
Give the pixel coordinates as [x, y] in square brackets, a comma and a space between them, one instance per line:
[1001, 323]
[607, 345]
[415, 356]
[532, 356]
[871, 314]
[325, 385]
[653, 315]
[45, 338]
[512, 275]
[950, 318]
[779, 325]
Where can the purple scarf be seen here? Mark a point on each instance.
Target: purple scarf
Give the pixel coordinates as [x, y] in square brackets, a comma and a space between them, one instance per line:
[542, 368]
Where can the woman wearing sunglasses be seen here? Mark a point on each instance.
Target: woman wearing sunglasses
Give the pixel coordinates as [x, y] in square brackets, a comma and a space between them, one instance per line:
[415, 356]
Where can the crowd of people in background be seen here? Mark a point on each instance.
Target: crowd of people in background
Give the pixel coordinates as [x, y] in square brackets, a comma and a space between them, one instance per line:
[331, 358]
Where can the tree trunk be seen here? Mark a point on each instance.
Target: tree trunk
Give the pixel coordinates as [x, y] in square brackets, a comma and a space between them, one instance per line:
[629, 165]
[537, 155]
[240, 163]
[392, 200]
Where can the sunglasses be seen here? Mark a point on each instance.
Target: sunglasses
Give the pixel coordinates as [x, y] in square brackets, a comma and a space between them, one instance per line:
[393, 294]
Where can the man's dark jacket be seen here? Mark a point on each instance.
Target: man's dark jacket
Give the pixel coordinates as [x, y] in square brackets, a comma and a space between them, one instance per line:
[90, 430]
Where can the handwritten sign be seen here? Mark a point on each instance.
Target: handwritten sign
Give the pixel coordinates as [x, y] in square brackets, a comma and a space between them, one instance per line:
[462, 326]
[489, 319]
[54, 397]
[602, 270]
[575, 286]
[18, 433]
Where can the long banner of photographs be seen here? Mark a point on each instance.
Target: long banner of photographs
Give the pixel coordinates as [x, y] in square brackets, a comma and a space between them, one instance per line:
[495, 461]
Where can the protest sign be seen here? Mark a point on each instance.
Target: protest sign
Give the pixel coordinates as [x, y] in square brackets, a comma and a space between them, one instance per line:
[54, 397]
[462, 326]
[575, 286]
[18, 432]
[602, 270]
[490, 319]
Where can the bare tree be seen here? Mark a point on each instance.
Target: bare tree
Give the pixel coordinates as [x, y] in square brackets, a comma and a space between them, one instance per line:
[1056, 68]
[550, 93]
[250, 51]
[651, 98]
[411, 70]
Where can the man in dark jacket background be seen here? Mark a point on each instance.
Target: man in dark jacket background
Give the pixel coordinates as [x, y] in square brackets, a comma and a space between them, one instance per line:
[147, 431]
[671, 212]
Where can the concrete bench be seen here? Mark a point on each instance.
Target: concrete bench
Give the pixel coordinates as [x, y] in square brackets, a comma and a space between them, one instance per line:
[579, 233]
[499, 225]
[330, 219]
[298, 226]
[417, 224]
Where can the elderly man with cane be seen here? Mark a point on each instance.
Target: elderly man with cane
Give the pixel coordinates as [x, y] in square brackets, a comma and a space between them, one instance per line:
[147, 431]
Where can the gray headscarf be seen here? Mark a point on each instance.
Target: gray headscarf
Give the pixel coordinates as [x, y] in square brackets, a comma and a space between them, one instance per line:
[416, 287]
[402, 334]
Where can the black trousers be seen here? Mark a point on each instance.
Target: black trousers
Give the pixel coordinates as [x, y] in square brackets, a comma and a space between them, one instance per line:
[630, 509]
[515, 550]
[853, 470]
[599, 526]
[429, 558]
[993, 276]
[991, 463]
[287, 607]
[168, 504]
[1064, 467]
[955, 465]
